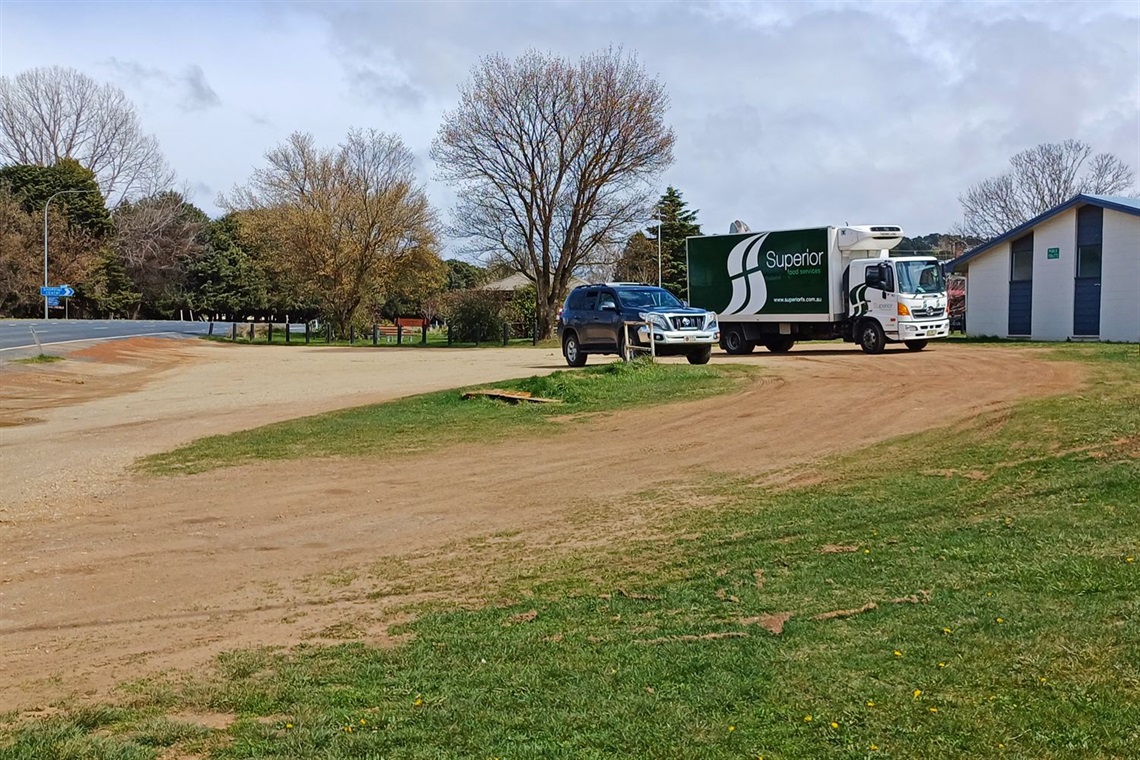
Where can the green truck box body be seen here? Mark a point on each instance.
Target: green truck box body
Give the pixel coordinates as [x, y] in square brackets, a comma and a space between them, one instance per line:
[765, 274]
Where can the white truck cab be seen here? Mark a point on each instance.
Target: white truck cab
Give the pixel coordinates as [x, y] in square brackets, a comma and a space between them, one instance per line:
[899, 299]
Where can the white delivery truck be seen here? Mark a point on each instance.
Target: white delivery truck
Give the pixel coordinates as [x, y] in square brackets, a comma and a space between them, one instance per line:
[774, 288]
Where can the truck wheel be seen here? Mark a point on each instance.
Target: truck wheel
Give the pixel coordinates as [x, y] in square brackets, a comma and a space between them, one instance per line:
[916, 345]
[733, 342]
[700, 357]
[573, 352]
[871, 337]
[781, 345]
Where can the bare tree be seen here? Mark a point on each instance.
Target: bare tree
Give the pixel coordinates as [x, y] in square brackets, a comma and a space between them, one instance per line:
[1039, 179]
[342, 223]
[47, 114]
[155, 238]
[553, 159]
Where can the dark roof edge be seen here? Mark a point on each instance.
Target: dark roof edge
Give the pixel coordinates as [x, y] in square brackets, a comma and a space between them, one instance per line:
[1091, 200]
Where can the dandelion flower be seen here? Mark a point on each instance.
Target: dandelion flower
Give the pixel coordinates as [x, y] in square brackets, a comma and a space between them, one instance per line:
[418, 702]
[288, 725]
[933, 709]
[732, 728]
[834, 724]
[1000, 620]
[1129, 559]
[917, 693]
[866, 551]
[946, 631]
[1042, 679]
[941, 664]
[874, 747]
[870, 703]
[898, 653]
[989, 593]
[363, 722]
[807, 719]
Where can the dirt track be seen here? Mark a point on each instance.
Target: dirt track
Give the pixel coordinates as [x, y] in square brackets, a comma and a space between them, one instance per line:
[110, 577]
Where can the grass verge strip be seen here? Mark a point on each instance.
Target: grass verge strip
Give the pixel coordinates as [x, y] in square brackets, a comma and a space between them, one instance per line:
[434, 420]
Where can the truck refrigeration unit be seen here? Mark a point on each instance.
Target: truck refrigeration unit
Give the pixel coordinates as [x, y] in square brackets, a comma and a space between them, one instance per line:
[775, 288]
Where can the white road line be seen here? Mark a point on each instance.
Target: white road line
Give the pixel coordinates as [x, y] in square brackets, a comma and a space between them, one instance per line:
[88, 340]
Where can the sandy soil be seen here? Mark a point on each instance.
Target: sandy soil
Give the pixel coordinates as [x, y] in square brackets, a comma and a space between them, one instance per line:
[106, 577]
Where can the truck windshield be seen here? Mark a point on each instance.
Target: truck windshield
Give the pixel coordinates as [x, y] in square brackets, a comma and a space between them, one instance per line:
[647, 298]
[917, 277]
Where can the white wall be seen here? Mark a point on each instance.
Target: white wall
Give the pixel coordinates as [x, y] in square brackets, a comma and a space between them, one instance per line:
[1120, 278]
[1053, 286]
[987, 293]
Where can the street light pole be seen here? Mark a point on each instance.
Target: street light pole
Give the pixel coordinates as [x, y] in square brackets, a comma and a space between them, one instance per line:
[658, 248]
[49, 200]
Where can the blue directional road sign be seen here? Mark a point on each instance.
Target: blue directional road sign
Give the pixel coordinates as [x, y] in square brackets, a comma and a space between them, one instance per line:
[57, 291]
[52, 302]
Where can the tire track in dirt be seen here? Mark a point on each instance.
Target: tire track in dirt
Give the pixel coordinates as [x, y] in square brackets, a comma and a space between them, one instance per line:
[176, 570]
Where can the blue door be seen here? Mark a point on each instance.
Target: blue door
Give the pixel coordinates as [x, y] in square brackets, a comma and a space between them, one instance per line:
[1021, 307]
[1086, 307]
[1086, 287]
[1021, 286]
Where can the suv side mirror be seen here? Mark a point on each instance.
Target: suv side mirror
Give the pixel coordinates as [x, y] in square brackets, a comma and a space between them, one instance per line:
[609, 306]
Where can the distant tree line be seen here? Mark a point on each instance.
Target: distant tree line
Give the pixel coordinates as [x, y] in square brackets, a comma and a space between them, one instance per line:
[553, 162]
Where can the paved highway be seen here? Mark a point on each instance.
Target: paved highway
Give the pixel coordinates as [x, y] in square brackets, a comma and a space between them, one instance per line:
[16, 334]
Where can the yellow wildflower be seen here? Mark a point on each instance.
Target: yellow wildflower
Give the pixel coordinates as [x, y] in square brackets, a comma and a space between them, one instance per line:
[807, 719]
[363, 722]
[946, 630]
[1129, 559]
[941, 664]
[933, 709]
[870, 703]
[732, 728]
[917, 693]
[874, 747]
[1042, 679]
[1000, 620]
[288, 725]
[898, 653]
[834, 724]
[866, 551]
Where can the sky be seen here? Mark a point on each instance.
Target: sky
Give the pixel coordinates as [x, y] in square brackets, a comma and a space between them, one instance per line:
[786, 114]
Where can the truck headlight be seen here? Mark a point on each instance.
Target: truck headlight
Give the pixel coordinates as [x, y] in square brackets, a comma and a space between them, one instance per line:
[710, 322]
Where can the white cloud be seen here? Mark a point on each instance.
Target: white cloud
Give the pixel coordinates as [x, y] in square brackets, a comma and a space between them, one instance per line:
[786, 114]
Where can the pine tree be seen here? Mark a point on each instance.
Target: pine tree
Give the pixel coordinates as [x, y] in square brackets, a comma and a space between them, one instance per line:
[677, 222]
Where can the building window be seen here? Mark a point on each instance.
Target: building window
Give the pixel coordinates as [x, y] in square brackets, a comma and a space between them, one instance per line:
[1090, 237]
[1021, 259]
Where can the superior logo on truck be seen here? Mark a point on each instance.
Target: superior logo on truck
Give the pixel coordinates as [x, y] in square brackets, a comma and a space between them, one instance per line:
[758, 273]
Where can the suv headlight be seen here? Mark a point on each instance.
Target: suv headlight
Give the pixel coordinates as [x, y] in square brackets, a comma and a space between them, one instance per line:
[710, 321]
[655, 319]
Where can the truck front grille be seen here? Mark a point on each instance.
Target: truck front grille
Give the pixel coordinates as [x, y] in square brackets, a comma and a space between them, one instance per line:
[931, 312]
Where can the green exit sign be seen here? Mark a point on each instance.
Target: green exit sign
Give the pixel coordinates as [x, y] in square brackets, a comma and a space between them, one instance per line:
[1054, 253]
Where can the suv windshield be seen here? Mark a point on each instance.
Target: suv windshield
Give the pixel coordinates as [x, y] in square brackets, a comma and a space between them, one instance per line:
[643, 298]
[918, 277]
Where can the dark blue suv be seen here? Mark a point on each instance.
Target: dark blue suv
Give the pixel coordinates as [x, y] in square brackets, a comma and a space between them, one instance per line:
[599, 319]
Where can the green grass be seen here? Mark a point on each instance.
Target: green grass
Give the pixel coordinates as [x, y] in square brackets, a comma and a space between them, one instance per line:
[434, 421]
[1018, 538]
[39, 359]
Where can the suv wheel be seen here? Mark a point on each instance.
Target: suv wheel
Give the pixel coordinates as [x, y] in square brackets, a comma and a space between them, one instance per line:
[573, 352]
[700, 356]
